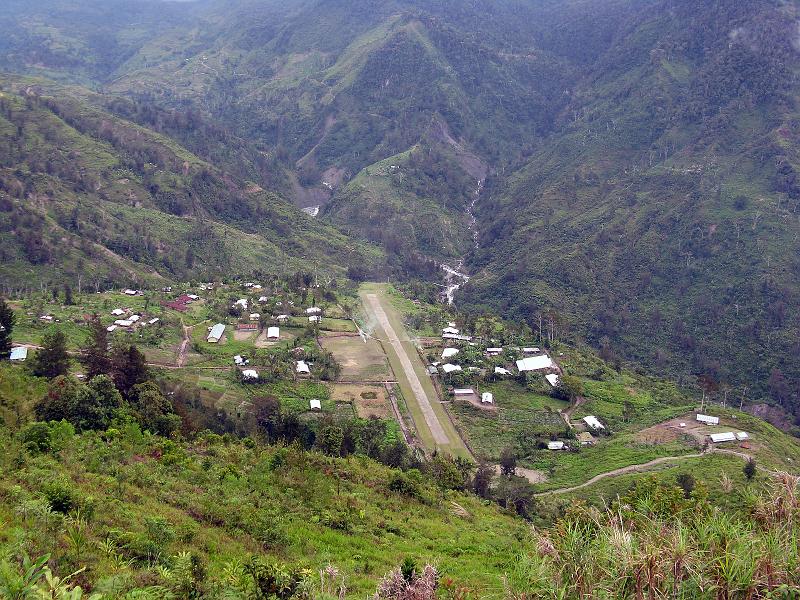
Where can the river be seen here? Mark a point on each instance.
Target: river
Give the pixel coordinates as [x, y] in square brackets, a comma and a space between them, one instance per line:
[454, 277]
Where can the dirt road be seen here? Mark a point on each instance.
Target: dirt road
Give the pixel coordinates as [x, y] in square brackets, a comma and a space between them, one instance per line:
[187, 333]
[431, 419]
[646, 466]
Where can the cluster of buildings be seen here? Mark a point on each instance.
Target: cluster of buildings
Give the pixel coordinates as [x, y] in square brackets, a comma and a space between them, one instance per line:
[720, 437]
[128, 320]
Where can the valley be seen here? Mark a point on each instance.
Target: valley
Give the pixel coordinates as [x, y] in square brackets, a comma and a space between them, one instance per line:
[399, 299]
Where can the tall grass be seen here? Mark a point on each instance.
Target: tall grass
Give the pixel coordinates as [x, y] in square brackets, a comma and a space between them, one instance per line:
[653, 543]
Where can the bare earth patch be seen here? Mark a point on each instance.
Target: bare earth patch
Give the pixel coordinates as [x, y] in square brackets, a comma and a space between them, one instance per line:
[368, 400]
[244, 336]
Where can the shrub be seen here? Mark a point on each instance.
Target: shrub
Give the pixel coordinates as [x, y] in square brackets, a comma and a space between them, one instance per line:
[403, 485]
[61, 497]
[39, 437]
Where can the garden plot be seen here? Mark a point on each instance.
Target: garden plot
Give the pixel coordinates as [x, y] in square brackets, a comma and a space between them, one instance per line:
[360, 362]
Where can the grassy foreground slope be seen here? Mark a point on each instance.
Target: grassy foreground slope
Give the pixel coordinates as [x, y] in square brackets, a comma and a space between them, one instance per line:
[141, 500]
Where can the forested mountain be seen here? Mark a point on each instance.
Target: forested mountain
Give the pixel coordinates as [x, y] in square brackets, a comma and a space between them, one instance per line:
[640, 154]
[88, 197]
[661, 219]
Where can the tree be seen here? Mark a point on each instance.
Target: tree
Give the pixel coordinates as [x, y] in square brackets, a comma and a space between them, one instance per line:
[52, 360]
[152, 409]
[445, 472]
[749, 469]
[60, 400]
[330, 440]
[128, 368]
[569, 388]
[95, 354]
[68, 295]
[7, 320]
[508, 462]
[482, 482]
[686, 482]
[267, 412]
[96, 404]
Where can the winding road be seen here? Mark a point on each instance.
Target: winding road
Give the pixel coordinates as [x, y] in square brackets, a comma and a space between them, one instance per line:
[644, 467]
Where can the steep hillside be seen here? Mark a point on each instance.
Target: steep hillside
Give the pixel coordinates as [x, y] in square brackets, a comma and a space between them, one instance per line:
[661, 221]
[82, 41]
[340, 85]
[89, 196]
[415, 204]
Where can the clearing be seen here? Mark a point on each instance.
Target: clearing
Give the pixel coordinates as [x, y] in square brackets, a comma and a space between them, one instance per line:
[432, 423]
[360, 362]
[368, 400]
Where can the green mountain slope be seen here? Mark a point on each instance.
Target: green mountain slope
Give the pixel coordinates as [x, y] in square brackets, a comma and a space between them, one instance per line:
[661, 222]
[89, 195]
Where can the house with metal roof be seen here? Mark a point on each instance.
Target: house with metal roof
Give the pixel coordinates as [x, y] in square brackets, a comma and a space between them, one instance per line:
[215, 335]
[19, 354]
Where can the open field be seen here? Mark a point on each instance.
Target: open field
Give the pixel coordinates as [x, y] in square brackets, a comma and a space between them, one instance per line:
[359, 361]
[431, 421]
[367, 400]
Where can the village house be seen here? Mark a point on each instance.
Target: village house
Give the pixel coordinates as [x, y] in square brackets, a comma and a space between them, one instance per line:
[303, 368]
[552, 379]
[487, 398]
[255, 316]
[250, 374]
[315, 404]
[117, 312]
[215, 333]
[463, 392]
[501, 371]
[457, 337]
[449, 352]
[273, 333]
[18, 354]
[450, 368]
[707, 419]
[535, 363]
[593, 423]
[555, 445]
